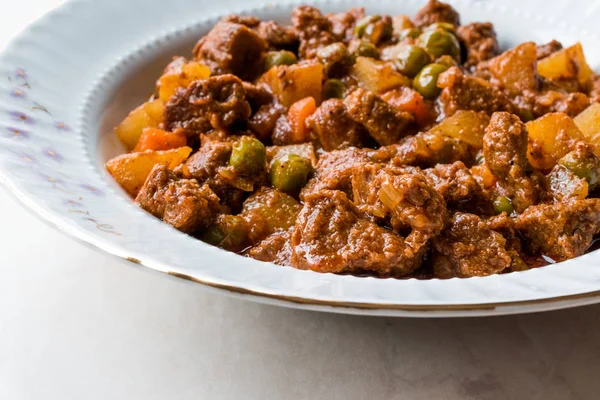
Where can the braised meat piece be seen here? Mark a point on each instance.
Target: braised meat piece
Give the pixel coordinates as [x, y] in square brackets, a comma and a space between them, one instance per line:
[276, 248]
[343, 23]
[218, 102]
[332, 127]
[385, 124]
[479, 41]
[332, 235]
[182, 203]
[505, 146]
[436, 11]
[212, 155]
[560, 231]
[313, 29]
[544, 50]
[232, 48]
[556, 101]
[464, 92]
[277, 36]
[453, 181]
[468, 247]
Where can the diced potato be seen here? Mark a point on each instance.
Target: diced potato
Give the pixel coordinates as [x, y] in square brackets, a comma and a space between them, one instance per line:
[515, 69]
[567, 63]
[377, 76]
[468, 126]
[180, 73]
[588, 122]
[131, 170]
[305, 150]
[148, 115]
[551, 137]
[290, 83]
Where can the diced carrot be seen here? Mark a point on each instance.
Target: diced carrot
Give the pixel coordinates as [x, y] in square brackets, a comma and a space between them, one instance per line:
[157, 139]
[297, 115]
[409, 100]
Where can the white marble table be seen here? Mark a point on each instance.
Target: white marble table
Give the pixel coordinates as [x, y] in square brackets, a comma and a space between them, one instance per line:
[77, 324]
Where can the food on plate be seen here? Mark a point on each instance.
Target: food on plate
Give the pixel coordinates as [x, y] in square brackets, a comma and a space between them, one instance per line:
[377, 145]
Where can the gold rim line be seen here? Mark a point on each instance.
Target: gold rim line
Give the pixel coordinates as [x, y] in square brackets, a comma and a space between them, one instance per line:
[385, 306]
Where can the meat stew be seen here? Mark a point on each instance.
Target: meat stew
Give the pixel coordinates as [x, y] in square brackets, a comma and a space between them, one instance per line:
[375, 145]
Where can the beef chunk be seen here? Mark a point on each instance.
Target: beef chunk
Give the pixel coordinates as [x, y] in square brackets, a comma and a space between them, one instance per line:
[436, 11]
[264, 120]
[463, 92]
[562, 230]
[343, 23]
[402, 196]
[257, 95]
[425, 150]
[558, 101]
[505, 145]
[313, 29]
[276, 248]
[332, 127]
[544, 50]
[453, 181]
[182, 203]
[468, 247]
[334, 171]
[277, 36]
[505, 152]
[205, 162]
[332, 235]
[218, 102]
[479, 40]
[385, 124]
[232, 48]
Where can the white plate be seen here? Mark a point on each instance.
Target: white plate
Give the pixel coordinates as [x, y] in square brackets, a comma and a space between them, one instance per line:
[72, 75]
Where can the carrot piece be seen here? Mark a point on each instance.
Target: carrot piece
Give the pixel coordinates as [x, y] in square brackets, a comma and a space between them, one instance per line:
[409, 100]
[157, 139]
[297, 115]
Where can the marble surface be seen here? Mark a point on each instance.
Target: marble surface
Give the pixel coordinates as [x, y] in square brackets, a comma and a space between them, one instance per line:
[78, 324]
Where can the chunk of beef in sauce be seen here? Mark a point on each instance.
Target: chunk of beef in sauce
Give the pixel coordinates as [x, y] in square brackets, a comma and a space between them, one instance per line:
[436, 11]
[218, 102]
[557, 101]
[277, 36]
[276, 248]
[334, 171]
[464, 92]
[425, 150]
[562, 230]
[479, 41]
[332, 127]
[544, 50]
[182, 203]
[232, 48]
[313, 29]
[343, 23]
[332, 235]
[468, 247]
[403, 197]
[385, 124]
[454, 182]
[505, 152]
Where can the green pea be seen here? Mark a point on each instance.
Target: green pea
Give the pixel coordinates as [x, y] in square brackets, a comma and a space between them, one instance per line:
[228, 232]
[411, 60]
[361, 26]
[412, 33]
[335, 58]
[439, 42]
[442, 25]
[282, 57]
[517, 264]
[367, 49]
[375, 28]
[290, 173]
[333, 89]
[426, 81]
[587, 168]
[503, 204]
[248, 156]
